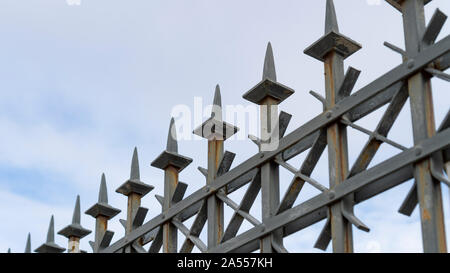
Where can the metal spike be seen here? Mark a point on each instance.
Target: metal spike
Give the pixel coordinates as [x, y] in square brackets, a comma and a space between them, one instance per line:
[160, 199]
[319, 97]
[92, 244]
[396, 49]
[76, 219]
[172, 145]
[103, 193]
[9, 250]
[354, 220]
[438, 74]
[269, 65]
[134, 173]
[123, 222]
[255, 139]
[28, 245]
[217, 105]
[203, 171]
[331, 23]
[51, 231]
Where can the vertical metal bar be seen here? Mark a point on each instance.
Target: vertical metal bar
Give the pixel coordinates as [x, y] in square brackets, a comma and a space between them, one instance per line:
[215, 205]
[134, 202]
[74, 245]
[341, 229]
[101, 225]
[170, 236]
[270, 181]
[419, 88]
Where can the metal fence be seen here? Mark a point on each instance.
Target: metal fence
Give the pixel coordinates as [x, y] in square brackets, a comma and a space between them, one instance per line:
[349, 185]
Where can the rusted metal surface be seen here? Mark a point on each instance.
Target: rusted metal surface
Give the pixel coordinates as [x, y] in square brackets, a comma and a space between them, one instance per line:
[423, 58]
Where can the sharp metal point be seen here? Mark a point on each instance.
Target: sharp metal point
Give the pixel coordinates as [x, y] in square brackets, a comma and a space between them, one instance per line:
[331, 23]
[134, 173]
[217, 104]
[9, 250]
[28, 245]
[172, 145]
[103, 194]
[269, 65]
[51, 231]
[76, 219]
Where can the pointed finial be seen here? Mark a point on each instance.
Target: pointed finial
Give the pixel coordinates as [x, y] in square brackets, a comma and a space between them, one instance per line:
[269, 65]
[330, 18]
[172, 145]
[134, 174]
[28, 245]
[76, 212]
[9, 250]
[51, 231]
[217, 104]
[103, 194]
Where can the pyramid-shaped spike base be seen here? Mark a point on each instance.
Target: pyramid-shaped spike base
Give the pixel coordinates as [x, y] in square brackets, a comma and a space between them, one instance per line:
[215, 129]
[332, 41]
[268, 88]
[166, 159]
[74, 230]
[102, 209]
[50, 248]
[134, 186]
[398, 3]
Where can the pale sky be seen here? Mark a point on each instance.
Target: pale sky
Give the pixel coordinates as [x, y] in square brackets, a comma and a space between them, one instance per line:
[82, 85]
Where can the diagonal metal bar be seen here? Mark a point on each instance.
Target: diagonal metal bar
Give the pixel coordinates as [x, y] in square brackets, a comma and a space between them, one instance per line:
[186, 232]
[383, 128]
[351, 76]
[411, 201]
[235, 207]
[313, 210]
[196, 229]
[247, 202]
[434, 27]
[355, 103]
[307, 168]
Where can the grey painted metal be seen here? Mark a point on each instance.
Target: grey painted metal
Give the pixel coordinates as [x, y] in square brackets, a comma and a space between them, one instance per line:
[422, 58]
[420, 93]
[28, 245]
[50, 246]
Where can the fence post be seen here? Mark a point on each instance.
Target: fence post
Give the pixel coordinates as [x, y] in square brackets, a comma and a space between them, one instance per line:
[134, 189]
[50, 246]
[216, 131]
[102, 212]
[268, 94]
[172, 163]
[74, 232]
[422, 112]
[332, 49]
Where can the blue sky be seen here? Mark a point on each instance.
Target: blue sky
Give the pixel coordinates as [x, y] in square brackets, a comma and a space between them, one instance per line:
[82, 85]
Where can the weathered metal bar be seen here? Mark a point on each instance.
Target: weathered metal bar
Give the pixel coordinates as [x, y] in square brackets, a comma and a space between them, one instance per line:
[307, 167]
[75, 231]
[383, 128]
[420, 93]
[246, 203]
[134, 189]
[186, 232]
[196, 228]
[216, 131]
[333, 53]
[102, 212]
[268, 94]
[235, 207]
[365, 96]
[315, 209]
[172, 163]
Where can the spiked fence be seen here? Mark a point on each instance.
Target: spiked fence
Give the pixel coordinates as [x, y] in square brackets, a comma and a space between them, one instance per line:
[349, 185]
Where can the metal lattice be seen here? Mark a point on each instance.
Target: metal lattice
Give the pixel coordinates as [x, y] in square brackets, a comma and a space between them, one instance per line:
[349, 185]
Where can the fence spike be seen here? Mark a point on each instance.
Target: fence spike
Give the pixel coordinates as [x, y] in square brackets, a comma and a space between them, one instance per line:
[75, 230]
[269, 65]
[172, 144]
[103, 193]
[50, 246]
[331, 24]
[9, 250]
[216, 111]
[134, 173]
[76, 219]
[28, 245]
